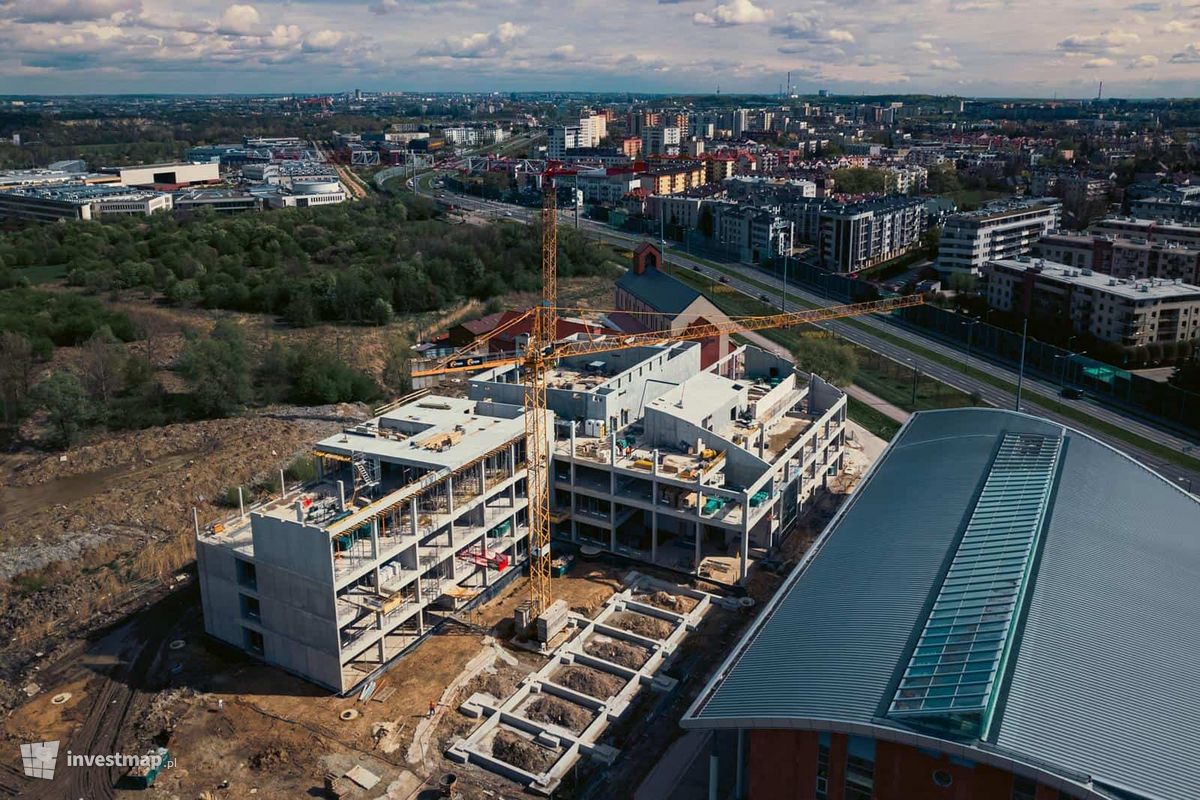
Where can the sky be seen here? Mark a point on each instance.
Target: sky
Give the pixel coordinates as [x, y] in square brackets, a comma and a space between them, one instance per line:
[1038, 48]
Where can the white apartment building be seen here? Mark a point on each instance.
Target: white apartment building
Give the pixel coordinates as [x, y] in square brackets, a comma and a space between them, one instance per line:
[607, 185]
[1133, 313]
[414, 514]
[594, 127]
[566, 137]
[658, 140]
[996, 232]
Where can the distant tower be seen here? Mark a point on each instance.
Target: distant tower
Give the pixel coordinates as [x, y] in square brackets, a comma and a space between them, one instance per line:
[1100, 91]
[789, 94]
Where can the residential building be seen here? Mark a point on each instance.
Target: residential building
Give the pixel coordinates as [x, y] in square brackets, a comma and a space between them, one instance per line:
[673, 178]
[562, 138]
[607, 186]
[1150, 230]
[719, 167]
[859, 235]
[594, 127]
[413, 514]
[749, 232]
[79, 202]
[659, 140]
[906, 179]
[632, 146]
[1120, 257]
[1179, 204]
[1132, 313]
[697, 470]
[167, 174]
[1003, 230]
[1027, 636]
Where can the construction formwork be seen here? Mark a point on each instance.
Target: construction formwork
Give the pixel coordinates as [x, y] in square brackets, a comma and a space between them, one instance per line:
[567, 746]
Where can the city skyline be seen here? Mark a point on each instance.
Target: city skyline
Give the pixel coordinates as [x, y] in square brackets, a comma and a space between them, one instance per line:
[972, 48]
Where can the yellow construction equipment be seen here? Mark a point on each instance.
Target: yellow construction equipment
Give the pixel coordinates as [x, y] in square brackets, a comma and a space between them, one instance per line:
[543, 349]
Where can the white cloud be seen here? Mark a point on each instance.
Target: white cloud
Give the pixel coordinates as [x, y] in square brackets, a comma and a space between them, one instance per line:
[924, 47]
[1189, 55]
[1144, 62]
[323, 40]
[282, 36]
[239, 19]
[735, 12]
[1098, 63]
[480, 45]
[66, 10]
[1110, 41]
[1177, 26]
[945, 64]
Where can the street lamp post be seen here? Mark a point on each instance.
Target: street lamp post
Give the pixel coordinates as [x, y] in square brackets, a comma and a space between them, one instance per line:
[1021, 371]
[970, 329]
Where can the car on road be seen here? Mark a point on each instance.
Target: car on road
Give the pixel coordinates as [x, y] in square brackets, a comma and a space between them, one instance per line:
[764, 298]
[723, 279]
[1072, 393]
[697, 269]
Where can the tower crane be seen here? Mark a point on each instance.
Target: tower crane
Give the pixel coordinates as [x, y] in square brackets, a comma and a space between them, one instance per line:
[543, 349]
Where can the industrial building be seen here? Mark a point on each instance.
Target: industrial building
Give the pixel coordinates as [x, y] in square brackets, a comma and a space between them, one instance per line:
[1132, 313]
[168, 174]
[78, 201]
[1004, 230]
[697, 470]
[414, 514]
[1027, 634]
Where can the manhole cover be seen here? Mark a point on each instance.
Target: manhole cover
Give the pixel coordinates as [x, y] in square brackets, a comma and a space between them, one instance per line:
[59, 699]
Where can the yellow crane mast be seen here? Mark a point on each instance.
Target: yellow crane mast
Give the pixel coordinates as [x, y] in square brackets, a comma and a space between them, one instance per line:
[543, 348]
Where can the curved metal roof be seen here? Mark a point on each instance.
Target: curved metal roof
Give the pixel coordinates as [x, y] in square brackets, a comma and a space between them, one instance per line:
[1102, 684]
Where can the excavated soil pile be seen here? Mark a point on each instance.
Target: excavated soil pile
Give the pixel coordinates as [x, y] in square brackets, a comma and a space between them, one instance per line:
[680, 604]
[641, 624]
[557, 711]
[521, 752]
[589, 680]
[499, 684]
[623, 653]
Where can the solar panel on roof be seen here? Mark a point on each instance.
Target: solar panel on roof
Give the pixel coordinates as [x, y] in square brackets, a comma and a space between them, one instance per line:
[952, 677]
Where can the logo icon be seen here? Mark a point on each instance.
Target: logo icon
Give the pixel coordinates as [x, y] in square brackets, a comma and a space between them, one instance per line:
[38, 759]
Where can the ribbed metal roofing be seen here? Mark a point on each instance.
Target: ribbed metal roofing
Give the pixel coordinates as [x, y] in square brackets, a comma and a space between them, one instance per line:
[1104, 676]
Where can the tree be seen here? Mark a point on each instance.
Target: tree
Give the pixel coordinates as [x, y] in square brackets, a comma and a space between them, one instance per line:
[16, 373]
[217, 369]
[67, 406]
[859, 180]
[380, 313]
[396, 357]
[103, 366]
[832, 360]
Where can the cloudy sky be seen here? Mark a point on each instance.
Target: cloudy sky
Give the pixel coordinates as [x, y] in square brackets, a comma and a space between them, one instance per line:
[969, 47]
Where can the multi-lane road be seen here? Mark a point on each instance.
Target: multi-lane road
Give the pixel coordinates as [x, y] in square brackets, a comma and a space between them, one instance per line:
[1040, 397]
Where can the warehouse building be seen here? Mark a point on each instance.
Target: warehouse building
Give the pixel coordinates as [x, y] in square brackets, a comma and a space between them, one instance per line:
[168, 174]
[413, 515]
[1027, 636]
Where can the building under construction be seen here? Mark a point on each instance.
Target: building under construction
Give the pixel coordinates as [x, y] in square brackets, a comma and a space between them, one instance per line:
[424, 509]
[413, 515]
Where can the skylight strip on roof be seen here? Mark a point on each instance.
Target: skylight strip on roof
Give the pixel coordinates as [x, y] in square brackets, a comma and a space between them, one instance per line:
[954, 670]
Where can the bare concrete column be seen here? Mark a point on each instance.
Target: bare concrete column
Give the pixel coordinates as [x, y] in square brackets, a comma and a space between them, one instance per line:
[739, 782]
[412, 505]
[713, 765]
[697, 524]
[654, 530]
[745, 548]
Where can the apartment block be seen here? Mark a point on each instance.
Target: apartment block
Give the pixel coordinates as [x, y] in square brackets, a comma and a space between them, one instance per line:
[413, 514]
[1122, 258]
[1148, 230]
[860, 235]
[674, 179]
[999, 231]
[1178, 204]
[661, 140]
[1132, 313]
[695, 470]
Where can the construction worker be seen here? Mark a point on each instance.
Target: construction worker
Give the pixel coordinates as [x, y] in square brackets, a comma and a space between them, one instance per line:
[432, 708]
